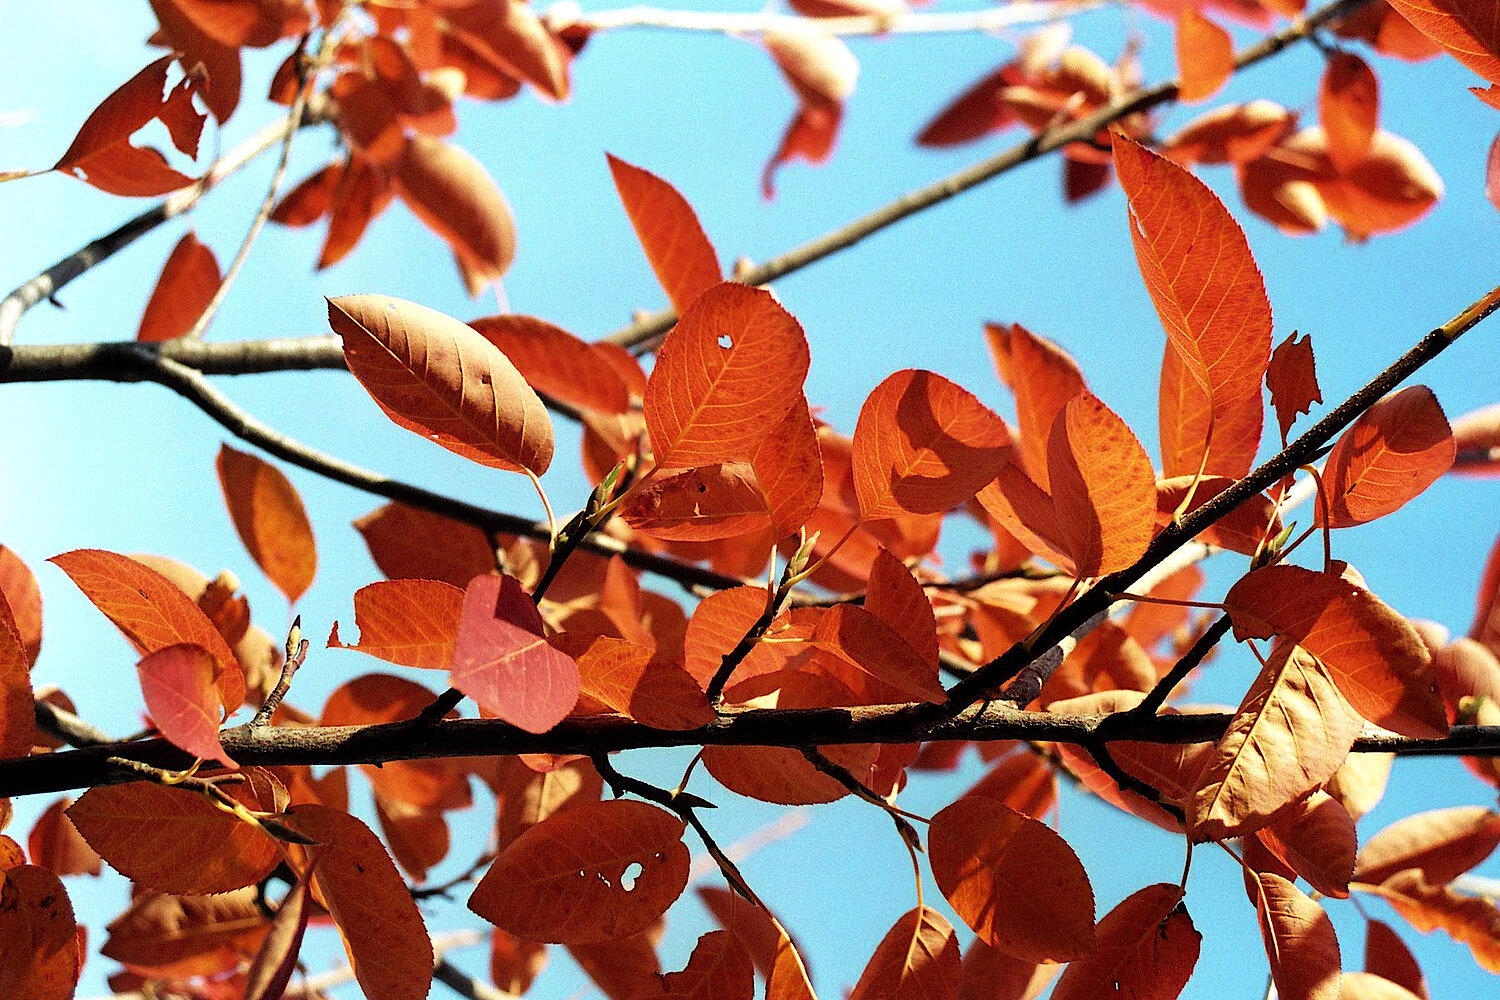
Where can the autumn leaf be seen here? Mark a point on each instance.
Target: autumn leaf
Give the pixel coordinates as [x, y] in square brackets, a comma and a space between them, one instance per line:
[19, 590]
[895, 597]
[1476, 438]
[719, 967]
[1387, 956]
[1244, 529]
[1014, 881]
[1211, 301]
[878, 652]
[557, 363]
[756, 930]
[101, 154]
[725, 375]
[453, 195]
[362, 193]
[699, 505]
[1373, 654]
[1442, 844]
[1474, 920]
[175, 935]
[382, 929]
[1235, 133]
[1043, 378]
[1292, 380]
[789, 469]
[375, 699]
[17, 716]
[151, 611]
[270, 519]
[39, 954]
[976, 112]
[178, 685]
[502, 660]
[187, 284]
[56, 845]
[515, 962]
[515, 40]
[439, 378]
[628, 678]
[1299, 939]
[1466, 28]
[1348, 108]
[1394, 451]
[622, 968]
[1205, 56]
[681, 255]
[410, 622]
[412, 544]
[1289, 735]
[918, 957]
[1146, 948]
[1315, 839]
[923, 445]
[273, 965]
[822, 72]
[533, 890]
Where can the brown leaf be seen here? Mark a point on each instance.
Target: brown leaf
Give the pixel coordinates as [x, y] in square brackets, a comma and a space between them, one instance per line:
[917, 958]
[719, 967]
[56, 845]
[39, 953]
[1442, 844]
[1299, 939]
[1387, 956]
[1146, 949]
[1292, 380]
[373, 699]
[187, 284]
[515, 962]
[17, 716]
[455, 197]
[988, 973]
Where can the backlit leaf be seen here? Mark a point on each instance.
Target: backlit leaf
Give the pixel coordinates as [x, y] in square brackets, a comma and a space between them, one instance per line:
[373, 699]
[178, 685]
[1315, 839]
[988, 973]
[1292, 379]
[515, 962]
[1373, 654]
[895, 597]
[439, 378]
[681, 255]
[753, 927]
[1476, 437]
[1014, 881]
[1386, 955]
[916, 960]
[1205, 56]
[454, 196]
[725, 375]
[270, 519]
[310, 200]
[878, 651]
[557, 363]
[17, 717]
[56, 845]
[503, 661]
[1146, 949]
[514, 38]
[101, 153]
[1468, 29]
[788, 979]
[1394, 451]
[410, 622]
[1474, 920]
[1348, 108]
[19, 589]
[383, 933]
[186, 935]
[924, 445]
[272, 968]
[151, 611]
[569, 879]
[1299, 939]
[1208, 293]
[629, 679]
[39, 954]
[1043, 378]
[975, 113]
[1442, 844]
[187, 284]
[412, 544]
[417, 837]
[1368, 986]
[718, 968]
[1289, 735]
[1243, 529]
[789, 468]
[623, 968]
[1235, 133]
[702, 504]
[363, 192]
[822, 71]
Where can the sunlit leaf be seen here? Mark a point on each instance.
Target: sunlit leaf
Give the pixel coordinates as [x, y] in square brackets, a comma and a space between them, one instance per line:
[39, 955]
[719, 967]
[412, 544]
[178, 685]
[1442, 844]
[1474, 920]
[410, 622]
[374, 699]
[681, 255]
[702, 504]
[1394, 451]
[918, 957]
[1292, 380]
[1205, 56]
[502, 660]
[1315, 839]
[1299, 939]
[454, 196]
[557, 363]
[19, 590]
[1468, 29]
[56, 845]
[1386, 955]
[1146, 949]
[1348, 108]
[270, 519]
[187, 284]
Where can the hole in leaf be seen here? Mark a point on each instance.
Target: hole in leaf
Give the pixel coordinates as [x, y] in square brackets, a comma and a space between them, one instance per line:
[726, 341]
[629, 875]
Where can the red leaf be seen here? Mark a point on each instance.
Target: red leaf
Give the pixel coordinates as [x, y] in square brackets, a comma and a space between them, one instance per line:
[1205, 56]
[1013, 880]
[557, 363]
[753, 927]
[681, 255]
[917, 958]
[270, 519]
[878, 652]
[1442, 844]
[412, 544]
[1043, 378]
[310, 200]
[724, 377]
[1211, 299]
[1147, 948]
[272, 968]
[534, 889]
[1292, 379]
[1468, 29]
[17, 716]
[1395, 450]
[1387, 956]
[1299, 940]
[455, 197]
[410, 622]
[1348, 108]
[975, 113]
[151, 611]
[1373, 654]
[515, 962]
[39, 953]
[101, 153]
[988, 973]
[924, 445]
[1474, 920]
[372, 699]
[1235, 133]
[363, 192]
[895, 597]
[187, 284]
[201, 54]
[623, 968]
[514, 39]
[178, 684]
[439, 378]
[1241, 530]
[702, 504]
[382, 929]
[822, 71]
[628, 679]
[718, 968]
[504, 663]
[788, 465]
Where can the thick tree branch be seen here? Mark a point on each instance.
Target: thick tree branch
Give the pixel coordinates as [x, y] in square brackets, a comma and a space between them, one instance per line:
[902, 23]
[905, 723]
[1048, 141]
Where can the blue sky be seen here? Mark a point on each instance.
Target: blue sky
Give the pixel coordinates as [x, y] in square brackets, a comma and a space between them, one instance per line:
[130, 468]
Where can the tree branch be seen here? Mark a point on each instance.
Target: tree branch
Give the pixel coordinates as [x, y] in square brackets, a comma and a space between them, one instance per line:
[899, 23]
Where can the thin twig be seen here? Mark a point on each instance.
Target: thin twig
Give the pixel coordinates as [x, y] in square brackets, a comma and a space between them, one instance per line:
[1210, 638]
[66, 726]
[902, 22]
[1047, 141]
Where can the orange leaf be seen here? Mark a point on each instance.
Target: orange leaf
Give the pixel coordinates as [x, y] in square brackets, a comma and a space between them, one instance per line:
[17, 716]
[1292, 379]
[1442, 844]
[1289, 735]
[1368, 986]
[515, 962]
[789, 468]
[502, 660]
[1241, 530]
[511, 36]
[39, 953]
[699, 505]
[725, 375]
[19, 590]
[257, 23]
[56, 845]
[1373, 654]
[372, 699]
[557, 363]
[383, 932]
[418, 837]
[1205, 56]
[918, 957]
[987, 973]
[753, 927]
[788, 979]
[1014, 881]
[975, 113]
[1299, 940]
[270, 519]
[101, 153]
[151, 611]
[412, 544]
[623, 968]
[924, 445]
[1473, 920]
[185, 935]
[1468, 29]
[194, 847]
[878, 652]
[199, 52]
[455, 197]
[681, 255]
[718, 968]
[273, 965]
[187, 284]
[1387, 956]
[363, 192]
[1348, 108]
[1315, 839]
[1147, 948]
[533, 890]
[627, 678]
[1211, 298]
[410, 622]
[895, 597]
[1186, 416]
[1043, 378]
[178, 685]
[1395, 450]
[310, 200]
[1099, 514]
[439, 378]
[822, 71]
[1235, 133]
